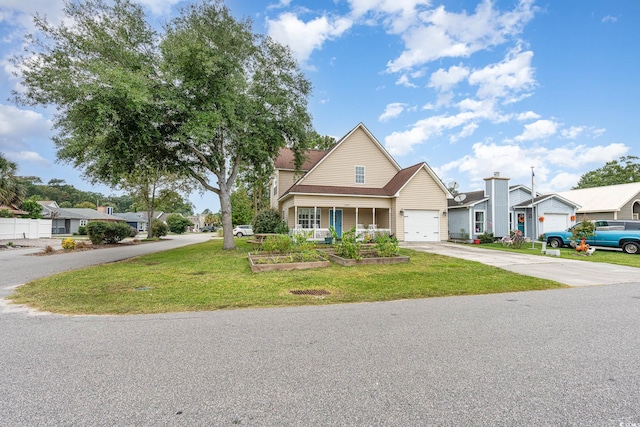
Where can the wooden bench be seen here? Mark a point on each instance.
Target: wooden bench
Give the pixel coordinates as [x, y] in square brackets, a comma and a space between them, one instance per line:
[259, 238]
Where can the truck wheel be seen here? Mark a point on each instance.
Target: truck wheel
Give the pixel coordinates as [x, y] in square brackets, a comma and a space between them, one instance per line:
[630, 248]
[555, 243]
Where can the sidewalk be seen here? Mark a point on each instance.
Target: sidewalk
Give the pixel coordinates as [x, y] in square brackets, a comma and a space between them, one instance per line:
[568, 272]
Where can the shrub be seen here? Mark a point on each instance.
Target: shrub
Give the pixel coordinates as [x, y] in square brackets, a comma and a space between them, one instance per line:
[486, 238]
[82, 230]
[107, 232]
[386, 245]
[177, 223]
[280, 243]
[348, 246]
[267, 221]
[83, 245]
[159, 229]
[48, 249]
[68, 244]
[4, 213]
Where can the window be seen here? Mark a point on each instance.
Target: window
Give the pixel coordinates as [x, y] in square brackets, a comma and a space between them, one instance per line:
[359, 174]
[275, 187]
[83, 222]
[306, 219]
[479, 222]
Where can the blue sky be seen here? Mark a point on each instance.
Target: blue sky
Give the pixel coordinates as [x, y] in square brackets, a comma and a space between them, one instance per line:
[470, 87]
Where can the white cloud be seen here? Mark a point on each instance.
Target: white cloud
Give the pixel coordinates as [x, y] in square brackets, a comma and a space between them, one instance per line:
[304, 37]
[444, 80]
[158, 7]
[505, 79]
[573, 132]
[610, 19]
[393, 110]
[528, 115]
[538, 130]
[398, 15]
[514, 161]
[17, 123]
[403, 80]
[28, 156]
[443, 34]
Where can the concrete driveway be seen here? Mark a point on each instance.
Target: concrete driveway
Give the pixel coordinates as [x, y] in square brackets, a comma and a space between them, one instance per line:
[568, 272]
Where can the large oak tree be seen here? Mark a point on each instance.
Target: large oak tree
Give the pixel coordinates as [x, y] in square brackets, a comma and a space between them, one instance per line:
[201, 99]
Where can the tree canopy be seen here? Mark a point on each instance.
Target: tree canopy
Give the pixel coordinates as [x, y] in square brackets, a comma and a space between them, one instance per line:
[614, 172]
[12, 191]
[202, 99]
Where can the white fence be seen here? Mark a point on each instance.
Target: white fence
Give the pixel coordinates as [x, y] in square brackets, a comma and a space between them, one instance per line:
[24, 228]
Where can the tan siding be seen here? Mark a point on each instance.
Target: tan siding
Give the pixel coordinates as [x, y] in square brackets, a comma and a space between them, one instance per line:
[357, 150]
[422, 192]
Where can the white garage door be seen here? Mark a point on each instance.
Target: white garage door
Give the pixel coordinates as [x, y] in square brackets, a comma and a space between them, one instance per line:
[554, 222]
[421, 226]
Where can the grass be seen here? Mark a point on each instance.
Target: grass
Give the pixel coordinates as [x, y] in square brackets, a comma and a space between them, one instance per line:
[204, 277]
[600, 255]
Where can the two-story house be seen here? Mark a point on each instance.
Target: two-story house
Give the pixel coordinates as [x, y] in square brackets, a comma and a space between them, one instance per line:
[358, 184]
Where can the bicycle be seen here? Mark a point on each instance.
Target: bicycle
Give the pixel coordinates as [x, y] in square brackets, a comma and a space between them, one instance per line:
[514, 239]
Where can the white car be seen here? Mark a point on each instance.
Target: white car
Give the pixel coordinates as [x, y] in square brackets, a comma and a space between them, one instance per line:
[243, 230]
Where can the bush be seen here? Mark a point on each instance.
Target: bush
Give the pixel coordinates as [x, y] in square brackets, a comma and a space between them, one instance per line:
[4, 213]
[68, 244]
[107, 232]
[268, 221]
[159, 229]
[281, 243]
[386, 245]
[348, 246]
[177, 223]
[82, 230]
[486, 238]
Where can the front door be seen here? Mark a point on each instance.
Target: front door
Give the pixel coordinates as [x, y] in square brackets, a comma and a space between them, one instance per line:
[338, 221]
[521, 222]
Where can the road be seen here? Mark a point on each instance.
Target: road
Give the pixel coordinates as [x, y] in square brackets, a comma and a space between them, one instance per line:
[559, 357]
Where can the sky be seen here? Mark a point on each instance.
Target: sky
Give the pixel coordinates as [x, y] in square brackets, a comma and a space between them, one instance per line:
[470, 87]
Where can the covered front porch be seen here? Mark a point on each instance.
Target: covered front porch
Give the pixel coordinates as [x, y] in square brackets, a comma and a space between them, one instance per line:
[317, 220]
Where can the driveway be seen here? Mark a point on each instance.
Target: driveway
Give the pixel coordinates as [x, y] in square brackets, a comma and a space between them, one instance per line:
[568, 272]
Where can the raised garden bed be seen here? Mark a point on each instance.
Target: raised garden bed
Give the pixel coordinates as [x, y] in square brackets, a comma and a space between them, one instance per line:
[278, 262]
[368, 258]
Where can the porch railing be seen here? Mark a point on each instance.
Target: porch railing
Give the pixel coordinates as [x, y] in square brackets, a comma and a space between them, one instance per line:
[320, 234]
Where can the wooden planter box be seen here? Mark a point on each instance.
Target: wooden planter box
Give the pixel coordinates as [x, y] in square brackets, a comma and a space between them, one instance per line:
[398, 259]
[302, 265]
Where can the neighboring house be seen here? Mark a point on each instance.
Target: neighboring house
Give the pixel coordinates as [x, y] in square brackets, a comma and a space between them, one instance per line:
[134, 220]
[620, 201]
[68, 220]
[14, 210]
[500, 208]
[358, 184]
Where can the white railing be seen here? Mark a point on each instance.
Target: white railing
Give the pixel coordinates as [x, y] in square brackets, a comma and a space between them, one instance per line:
[320, 234]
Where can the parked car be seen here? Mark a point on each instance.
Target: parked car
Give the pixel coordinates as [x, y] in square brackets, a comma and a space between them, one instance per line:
[207, 229]
[623, 234]
[243, 230]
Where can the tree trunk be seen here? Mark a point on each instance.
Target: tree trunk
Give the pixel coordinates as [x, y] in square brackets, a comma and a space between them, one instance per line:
[227, 225]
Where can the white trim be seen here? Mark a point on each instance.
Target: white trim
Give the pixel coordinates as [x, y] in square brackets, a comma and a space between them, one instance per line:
[356, 175]
[484, 221]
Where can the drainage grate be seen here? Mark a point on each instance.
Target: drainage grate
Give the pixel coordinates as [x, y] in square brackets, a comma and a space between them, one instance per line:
[309, 292]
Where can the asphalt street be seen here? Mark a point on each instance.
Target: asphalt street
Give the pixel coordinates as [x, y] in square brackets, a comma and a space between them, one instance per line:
[560, 357]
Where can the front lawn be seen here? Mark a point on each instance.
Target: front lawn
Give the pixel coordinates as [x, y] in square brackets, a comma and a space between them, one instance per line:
[204, 277]
[600, 255]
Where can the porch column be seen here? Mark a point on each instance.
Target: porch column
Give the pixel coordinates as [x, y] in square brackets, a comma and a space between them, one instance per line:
[295, 218]
[334, 217]
[315, 215]
[375, 223]
[356, 217]
[390, 227]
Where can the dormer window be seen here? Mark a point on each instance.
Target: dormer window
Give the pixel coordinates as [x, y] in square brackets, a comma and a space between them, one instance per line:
[359, 170]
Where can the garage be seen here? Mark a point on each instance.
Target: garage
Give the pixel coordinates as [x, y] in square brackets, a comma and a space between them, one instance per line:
[554, 222]
[421, 226]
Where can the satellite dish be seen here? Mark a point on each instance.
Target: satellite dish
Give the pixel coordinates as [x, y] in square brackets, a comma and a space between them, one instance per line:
[460, 198]
[453, 185]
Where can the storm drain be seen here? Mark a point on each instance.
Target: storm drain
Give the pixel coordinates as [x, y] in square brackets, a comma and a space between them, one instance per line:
[309, 292]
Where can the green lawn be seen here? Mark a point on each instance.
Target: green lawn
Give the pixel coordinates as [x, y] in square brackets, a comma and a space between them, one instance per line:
[204, 277]
[609, 256]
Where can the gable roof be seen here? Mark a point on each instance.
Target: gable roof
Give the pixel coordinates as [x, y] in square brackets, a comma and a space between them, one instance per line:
[544, 197]
[472, 198]
[80, 213]
[285, 159]
[391, 189]
[130, 217]
[362, 127]
[603, 199]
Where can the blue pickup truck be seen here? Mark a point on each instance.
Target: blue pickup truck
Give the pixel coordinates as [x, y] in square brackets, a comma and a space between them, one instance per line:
[623, 234]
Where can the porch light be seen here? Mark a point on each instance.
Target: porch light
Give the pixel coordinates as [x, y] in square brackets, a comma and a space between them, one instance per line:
[402, 211]
[444, 213]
